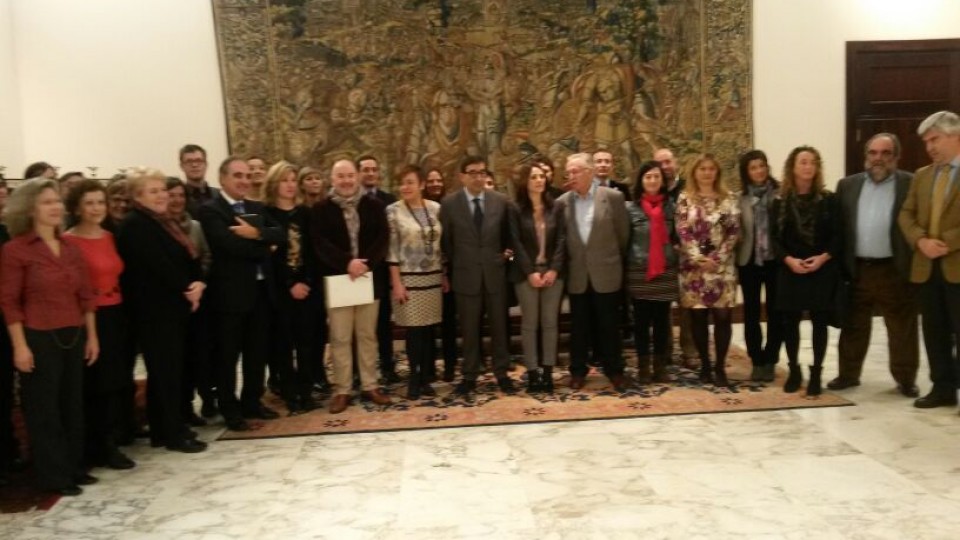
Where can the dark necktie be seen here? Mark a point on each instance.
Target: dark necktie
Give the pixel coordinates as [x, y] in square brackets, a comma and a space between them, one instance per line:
[238, 207]
[477, 213]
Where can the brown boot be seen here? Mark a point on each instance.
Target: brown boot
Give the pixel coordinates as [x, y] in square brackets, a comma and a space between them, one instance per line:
[377, 397]
[643, 369]
[339, 403]
[660, 373]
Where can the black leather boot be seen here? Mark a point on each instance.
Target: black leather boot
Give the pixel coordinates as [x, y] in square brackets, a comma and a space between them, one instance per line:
[534, 383]
[813, 387]
[794, 380]
[643, 368]
[660, 374]
[546, 379]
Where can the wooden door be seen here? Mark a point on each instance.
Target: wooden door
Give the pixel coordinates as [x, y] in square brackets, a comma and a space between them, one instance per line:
[892, 86]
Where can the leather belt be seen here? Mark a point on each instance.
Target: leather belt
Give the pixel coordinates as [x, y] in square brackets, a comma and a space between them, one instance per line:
[871, 261]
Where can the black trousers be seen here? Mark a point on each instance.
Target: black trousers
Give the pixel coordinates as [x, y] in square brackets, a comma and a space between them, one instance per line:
[385, 336]
[321, 335]
[163, 343]
[448, 337]
[52, 400]
[752, 279]
[596, 319]
[292, 347]
[940, 312]
[105, 384]
[245, 333]
[9, 445]
[419, 354]
[199, 369]
[652, 315]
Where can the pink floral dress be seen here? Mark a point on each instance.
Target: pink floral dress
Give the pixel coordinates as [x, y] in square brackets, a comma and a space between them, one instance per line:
[708, 229]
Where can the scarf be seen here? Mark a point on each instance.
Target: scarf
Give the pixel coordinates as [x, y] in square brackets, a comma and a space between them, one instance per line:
[351, 217]
[760, 197]
[659, 237]
[170, 225]
[803, 210]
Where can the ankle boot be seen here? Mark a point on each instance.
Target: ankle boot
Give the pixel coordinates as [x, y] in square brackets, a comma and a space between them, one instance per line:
[813, 387]
[643, 368]
[534, 383]
[706, 375]
[794, 379]
[660, 373]
[546, 379]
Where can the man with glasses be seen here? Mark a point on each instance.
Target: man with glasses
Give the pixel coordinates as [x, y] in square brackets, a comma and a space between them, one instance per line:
[193, 163]
[475, 238]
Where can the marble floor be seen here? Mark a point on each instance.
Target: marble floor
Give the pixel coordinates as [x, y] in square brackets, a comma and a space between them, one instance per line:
[879, 470]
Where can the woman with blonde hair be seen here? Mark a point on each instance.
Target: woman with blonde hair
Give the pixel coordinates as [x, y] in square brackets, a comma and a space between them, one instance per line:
[807, 239]
[708, 224]
[49, 306]
[311, 185]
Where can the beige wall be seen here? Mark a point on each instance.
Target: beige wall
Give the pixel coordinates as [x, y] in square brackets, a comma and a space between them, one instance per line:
[122, 82]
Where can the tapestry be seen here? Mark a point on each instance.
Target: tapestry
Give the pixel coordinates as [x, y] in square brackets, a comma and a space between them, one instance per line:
[428, 82]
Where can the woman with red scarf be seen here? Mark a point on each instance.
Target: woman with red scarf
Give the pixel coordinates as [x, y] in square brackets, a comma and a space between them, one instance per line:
[162, 283]
[652, 271]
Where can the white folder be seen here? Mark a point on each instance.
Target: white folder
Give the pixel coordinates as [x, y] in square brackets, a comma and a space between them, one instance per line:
[344, 292]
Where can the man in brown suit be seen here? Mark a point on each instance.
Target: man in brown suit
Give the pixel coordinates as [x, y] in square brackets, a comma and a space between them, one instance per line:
[930, 220]
[598, 230]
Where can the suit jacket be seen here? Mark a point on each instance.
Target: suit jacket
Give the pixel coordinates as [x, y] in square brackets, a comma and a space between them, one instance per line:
[914, 221]
[619, 186]
[848, 195]
[523, 234]
[600, 260]
[331, 240]
[236, 261]
[745, 247]
[476, 256]
[157, 270]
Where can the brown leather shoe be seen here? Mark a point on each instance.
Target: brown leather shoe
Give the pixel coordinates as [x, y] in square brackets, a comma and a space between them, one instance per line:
[577, 382]
[377, 397]
[339, 403]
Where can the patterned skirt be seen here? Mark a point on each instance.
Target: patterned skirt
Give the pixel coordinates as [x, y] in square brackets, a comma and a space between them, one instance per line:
[663, 288]
[425, 306]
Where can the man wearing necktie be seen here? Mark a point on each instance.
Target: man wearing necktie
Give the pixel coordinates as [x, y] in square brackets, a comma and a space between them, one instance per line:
[475, 238]
[930, 220]
[241, 291]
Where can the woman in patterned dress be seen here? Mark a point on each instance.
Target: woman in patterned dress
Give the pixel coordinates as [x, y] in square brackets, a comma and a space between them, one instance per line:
[652, 270]
[807, 239]
[708, 223]
[416, 274]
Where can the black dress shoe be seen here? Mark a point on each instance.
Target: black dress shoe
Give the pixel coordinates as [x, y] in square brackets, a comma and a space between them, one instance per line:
[193, 420]
[933, 400]
[506, 385]
[68, 491]
[449, 374]
[84, 479]
[427, 390]
[465, 387]
[391, 377]
[841, 384]
[118, 461]
[621, 383]
[908, 391]
[237, 424]
[188, 446]
[263, 413]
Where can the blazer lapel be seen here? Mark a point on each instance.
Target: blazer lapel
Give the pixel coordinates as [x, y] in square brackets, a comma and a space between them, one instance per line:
[571, 215]
[600, 209]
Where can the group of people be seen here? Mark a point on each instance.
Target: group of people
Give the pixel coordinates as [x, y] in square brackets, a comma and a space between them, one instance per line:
[197, 279]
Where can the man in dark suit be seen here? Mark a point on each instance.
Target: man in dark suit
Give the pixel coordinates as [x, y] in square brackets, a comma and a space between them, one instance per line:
[930, 220]
[475, 236]
[240, 291]
[876, 262]
[368, 169]
[598, 231]
[193, 163]
[603, 173]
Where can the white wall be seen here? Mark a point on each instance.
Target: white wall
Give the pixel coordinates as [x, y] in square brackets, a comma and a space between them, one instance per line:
[119, 82]
[114, 83]
[11, 145]
[800, 65]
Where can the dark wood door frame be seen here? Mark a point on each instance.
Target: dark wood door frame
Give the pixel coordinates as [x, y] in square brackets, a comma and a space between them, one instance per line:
[892, 86]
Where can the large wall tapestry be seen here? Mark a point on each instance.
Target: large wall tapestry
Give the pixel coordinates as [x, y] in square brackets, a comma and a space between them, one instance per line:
[428, 82]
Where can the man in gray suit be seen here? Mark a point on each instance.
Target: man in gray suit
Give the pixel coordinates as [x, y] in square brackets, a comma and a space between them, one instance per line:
[598, 231]
[876, 261]
[475, 237]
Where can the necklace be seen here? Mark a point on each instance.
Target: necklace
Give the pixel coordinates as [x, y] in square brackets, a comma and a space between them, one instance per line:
[427, 235]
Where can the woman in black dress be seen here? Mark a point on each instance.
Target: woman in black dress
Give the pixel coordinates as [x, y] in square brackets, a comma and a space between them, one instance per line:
[808, 241]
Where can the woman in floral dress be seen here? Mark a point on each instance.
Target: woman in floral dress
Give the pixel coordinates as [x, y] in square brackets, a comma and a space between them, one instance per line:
[708, 224]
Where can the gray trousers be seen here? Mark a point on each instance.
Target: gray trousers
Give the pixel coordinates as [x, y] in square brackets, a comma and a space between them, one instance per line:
[470, 308]
[541, 310]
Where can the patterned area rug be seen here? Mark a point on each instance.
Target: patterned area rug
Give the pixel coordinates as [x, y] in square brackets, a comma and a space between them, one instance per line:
[488, 406]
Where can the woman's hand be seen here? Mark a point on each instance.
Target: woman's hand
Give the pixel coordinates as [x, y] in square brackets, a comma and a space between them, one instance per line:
[300, 291]
[816, 262]
[193, 294]
[549, 278]
[796, 265]
[400, 294]
[445, 284]
[535, 280]
[92, 350]
[23, 359]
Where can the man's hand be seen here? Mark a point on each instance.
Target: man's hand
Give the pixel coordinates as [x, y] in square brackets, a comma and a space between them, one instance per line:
[245, 230]
[300, 291]
[932, 248]
[357, 268]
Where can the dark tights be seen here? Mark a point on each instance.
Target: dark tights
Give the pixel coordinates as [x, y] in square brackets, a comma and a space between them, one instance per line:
[722, 331]
[791, 334]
